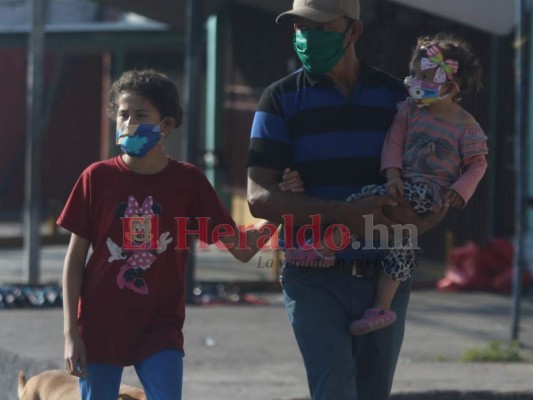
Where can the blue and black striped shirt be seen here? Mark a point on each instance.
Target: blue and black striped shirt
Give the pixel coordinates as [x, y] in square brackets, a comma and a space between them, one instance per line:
[305, 123]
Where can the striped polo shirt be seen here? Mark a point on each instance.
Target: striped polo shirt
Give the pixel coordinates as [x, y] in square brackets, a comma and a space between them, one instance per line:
[305, 123]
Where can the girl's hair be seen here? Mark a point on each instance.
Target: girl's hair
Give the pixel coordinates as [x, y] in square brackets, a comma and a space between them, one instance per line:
[152, 85]
[468, 76]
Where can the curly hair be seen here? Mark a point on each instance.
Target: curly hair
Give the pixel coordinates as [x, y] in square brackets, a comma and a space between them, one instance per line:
[468, 76]
[152, 85]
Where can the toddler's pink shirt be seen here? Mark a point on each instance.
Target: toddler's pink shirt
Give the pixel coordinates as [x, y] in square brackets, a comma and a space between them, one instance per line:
[428, 149]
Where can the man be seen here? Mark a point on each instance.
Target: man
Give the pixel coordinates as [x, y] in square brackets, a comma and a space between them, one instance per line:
[328, 121]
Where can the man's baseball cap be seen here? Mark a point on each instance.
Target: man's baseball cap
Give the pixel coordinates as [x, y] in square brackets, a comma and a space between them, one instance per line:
[321, 10]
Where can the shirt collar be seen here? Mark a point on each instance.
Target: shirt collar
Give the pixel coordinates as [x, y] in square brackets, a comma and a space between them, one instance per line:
[323, 81]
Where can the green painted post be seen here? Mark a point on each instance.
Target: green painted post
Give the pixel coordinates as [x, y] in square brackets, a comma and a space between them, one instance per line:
[214, 138]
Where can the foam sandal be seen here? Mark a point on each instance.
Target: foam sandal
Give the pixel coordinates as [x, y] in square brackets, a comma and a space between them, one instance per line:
[372, 320]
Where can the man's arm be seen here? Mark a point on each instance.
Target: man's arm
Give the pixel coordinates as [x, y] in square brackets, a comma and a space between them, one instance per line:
[403, 213]
[267, 201]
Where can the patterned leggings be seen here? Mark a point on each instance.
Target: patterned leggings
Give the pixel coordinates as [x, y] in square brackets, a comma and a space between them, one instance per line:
[400, 262]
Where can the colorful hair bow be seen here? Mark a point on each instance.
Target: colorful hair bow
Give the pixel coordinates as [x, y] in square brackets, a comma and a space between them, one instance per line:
[447, 68]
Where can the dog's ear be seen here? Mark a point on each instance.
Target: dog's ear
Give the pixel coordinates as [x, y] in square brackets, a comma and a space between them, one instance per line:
[21, 383]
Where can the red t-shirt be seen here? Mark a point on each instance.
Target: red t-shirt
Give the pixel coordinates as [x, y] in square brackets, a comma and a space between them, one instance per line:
[132, 301]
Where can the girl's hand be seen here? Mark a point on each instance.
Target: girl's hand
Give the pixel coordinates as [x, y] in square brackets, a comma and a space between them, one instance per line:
[394, 188]
[453, 199]
[292, 182]
[75, 358]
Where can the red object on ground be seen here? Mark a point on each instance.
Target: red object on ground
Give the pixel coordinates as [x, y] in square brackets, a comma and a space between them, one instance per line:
[487, 268]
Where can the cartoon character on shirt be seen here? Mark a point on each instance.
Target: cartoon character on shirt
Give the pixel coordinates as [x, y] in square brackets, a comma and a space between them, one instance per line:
[424, 150]
[140, 242]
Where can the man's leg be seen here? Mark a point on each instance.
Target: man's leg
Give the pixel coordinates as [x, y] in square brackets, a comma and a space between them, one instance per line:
[317, 303]
[377, 353]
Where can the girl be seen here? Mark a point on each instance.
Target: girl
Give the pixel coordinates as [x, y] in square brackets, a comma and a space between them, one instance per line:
[125, 305]
[433, 156]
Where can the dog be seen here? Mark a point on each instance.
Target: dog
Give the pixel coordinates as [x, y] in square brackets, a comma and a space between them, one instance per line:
[58, 385]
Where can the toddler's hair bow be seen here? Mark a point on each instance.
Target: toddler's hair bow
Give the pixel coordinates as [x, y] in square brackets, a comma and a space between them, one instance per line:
[447, 68]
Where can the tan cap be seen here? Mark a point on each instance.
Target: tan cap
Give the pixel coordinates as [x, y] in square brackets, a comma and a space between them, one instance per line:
[321, 10]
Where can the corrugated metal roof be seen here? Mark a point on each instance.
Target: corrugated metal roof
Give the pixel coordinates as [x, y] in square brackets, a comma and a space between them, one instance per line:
[173, 11]
[71, 15]
[89, 27]
[492, 16]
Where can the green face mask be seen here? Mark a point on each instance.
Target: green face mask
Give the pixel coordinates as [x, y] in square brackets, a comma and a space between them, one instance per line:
[319, 51]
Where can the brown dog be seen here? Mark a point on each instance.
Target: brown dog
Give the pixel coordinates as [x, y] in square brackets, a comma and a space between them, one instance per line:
[58, 385]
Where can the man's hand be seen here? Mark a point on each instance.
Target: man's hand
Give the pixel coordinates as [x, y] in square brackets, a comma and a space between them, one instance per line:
[403, 214]
[355, 211]
[292, 182]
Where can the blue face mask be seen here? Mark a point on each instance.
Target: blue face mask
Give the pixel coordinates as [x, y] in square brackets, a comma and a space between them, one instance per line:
[138, 140]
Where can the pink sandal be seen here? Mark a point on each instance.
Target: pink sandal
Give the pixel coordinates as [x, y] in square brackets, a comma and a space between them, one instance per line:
[372, 320]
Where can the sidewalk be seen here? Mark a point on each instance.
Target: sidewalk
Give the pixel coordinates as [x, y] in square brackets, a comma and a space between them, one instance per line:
[249, 352]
